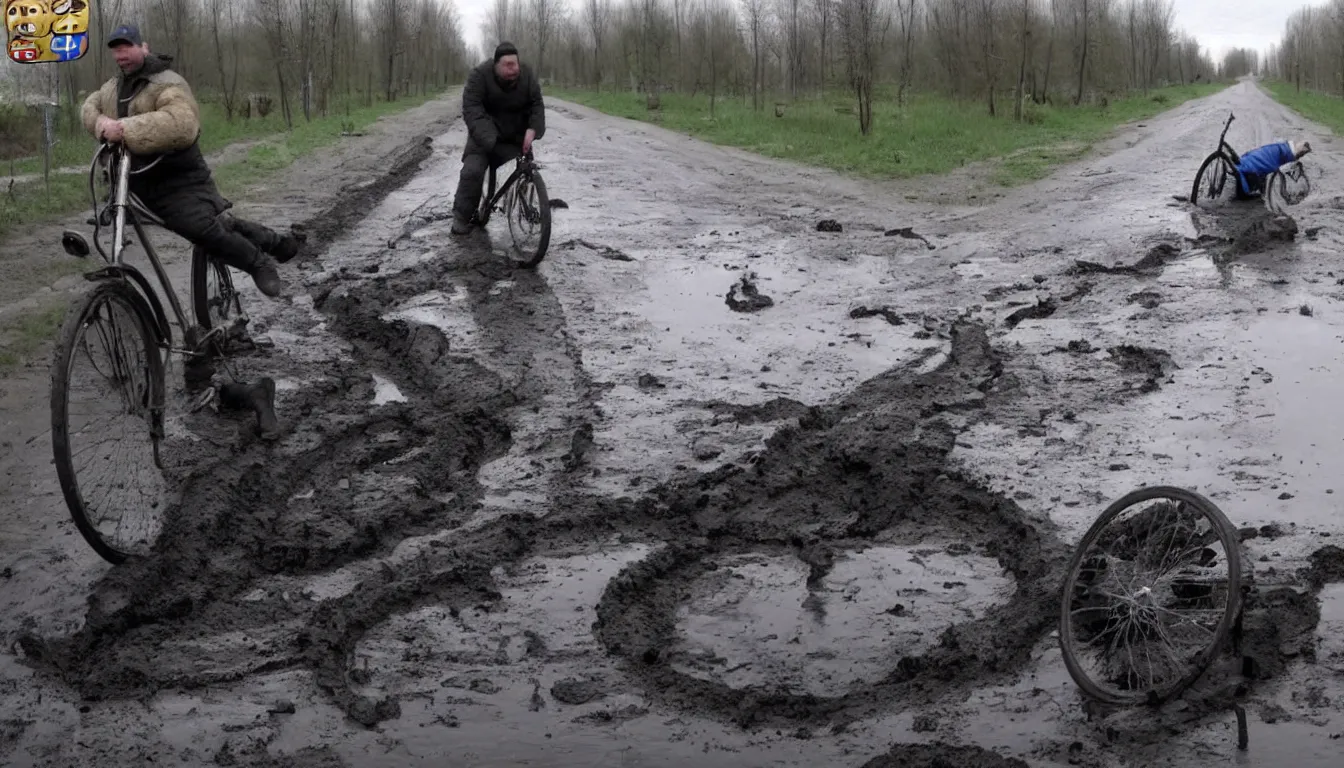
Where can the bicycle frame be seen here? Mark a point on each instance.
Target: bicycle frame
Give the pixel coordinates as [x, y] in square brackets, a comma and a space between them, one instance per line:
[1222, 141]
[523, 168]
[125, 206]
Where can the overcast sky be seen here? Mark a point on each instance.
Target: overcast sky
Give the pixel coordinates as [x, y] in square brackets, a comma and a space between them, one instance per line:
[1219, 24]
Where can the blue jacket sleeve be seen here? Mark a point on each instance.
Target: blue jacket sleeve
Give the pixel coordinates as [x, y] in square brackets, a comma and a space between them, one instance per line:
[1262, 161]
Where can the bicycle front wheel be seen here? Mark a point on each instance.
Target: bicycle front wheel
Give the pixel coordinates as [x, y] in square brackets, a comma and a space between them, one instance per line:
[530, 220]
[107, 406]
[1215, 182]
[1150, 596]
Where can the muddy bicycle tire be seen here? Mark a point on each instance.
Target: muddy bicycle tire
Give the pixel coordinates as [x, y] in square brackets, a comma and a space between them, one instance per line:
[1231, 543]
[483, 215]
[1229, 174]
[543, 211]
[202, 298]
[79, 314]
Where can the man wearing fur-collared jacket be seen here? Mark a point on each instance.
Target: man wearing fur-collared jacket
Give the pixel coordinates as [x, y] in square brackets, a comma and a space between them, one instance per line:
[150, 109]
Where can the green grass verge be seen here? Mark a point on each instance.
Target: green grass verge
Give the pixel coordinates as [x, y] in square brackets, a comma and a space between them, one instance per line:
[34, 202]
[22, 336]
[931, 135]
[1323, 108]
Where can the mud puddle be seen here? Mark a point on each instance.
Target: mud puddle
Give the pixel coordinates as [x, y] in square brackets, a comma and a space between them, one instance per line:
[1289, 379]
[824, 625]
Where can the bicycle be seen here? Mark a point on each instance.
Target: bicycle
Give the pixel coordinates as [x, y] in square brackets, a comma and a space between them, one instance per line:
[122, 290]
[1220, 167]
[1217, 176]
[527, 206]
[1127, 609]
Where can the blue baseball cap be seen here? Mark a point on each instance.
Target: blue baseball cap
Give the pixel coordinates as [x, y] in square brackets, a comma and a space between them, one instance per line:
[126, 33]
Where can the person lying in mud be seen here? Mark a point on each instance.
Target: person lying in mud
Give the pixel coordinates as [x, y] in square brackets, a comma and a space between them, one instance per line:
[1259, 163]
[150, 109]
[504, 113]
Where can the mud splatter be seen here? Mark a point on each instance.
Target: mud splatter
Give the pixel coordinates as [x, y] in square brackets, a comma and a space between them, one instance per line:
[744, 296]
[604, 251]
[909, 233]
[942, 755]
[886, 313]
[1152, 263]
[1041, 309]
[1151, 363]
[776, 409]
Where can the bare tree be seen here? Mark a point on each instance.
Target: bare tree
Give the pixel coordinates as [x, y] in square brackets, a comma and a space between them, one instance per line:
[862, 25]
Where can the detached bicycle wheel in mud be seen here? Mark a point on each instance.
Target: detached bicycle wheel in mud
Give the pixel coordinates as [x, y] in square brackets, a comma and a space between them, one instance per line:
[1150, 596]
[107, 405]
[530, 220]
[1283, 189]
[1216, 181]
[214, 299]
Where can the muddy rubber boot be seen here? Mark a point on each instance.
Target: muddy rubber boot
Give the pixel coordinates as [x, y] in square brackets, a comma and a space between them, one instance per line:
[259, 396]
[267, 278]
[289, 247]
[461, 226]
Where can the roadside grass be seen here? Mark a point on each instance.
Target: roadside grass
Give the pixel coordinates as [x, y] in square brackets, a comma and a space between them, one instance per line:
[33, 202]
[1323, 108]
[932, 135]
[22, 336]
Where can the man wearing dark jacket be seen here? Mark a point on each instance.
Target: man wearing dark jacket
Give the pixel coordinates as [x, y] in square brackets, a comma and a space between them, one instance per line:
[502, 108]
[150, 109]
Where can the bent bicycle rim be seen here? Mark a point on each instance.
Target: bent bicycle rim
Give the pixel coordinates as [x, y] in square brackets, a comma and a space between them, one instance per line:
[1150, 596]
[107, 405]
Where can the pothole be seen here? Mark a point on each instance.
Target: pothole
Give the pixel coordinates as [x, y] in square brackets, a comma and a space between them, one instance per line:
[755, 618]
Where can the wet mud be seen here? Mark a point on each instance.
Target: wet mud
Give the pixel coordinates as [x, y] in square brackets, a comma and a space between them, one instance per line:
[942, 755]
[455, 551]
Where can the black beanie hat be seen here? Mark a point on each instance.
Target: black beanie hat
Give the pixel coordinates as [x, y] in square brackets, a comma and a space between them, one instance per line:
[505, 49]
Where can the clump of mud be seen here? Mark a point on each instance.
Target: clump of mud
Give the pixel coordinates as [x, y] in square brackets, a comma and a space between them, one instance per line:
[886, 313]
[909, 233]
[828, 225]
[1151, 264]
[257, 756]
[606, 252]
[1038, 311]
[744, 296]
[941, 755]
[1151, 363]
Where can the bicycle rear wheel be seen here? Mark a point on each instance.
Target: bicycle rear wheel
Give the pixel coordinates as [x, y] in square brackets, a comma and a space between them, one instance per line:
[1150, 596]
[214, 299]
[107, 406]
[529, 213]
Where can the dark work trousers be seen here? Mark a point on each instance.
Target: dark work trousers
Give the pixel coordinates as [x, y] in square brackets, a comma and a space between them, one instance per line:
[197, 213]
[475, 164]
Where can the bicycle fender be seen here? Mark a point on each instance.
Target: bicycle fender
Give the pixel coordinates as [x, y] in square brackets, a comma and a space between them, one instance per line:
[159, 322]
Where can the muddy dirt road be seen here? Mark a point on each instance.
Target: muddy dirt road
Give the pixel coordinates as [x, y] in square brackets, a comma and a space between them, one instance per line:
[623, 511]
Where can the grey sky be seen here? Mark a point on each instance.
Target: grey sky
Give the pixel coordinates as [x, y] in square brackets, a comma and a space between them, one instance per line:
[1218, 24]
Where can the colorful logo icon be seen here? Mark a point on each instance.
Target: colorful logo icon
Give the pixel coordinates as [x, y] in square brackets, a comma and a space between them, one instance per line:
[46, 30]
